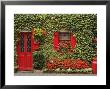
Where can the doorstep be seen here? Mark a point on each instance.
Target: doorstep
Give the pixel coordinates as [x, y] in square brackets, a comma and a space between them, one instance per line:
[24, 71]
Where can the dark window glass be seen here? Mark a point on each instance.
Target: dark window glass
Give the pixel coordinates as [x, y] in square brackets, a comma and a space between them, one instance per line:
[64, 36]
[28, 42]
[22, 42]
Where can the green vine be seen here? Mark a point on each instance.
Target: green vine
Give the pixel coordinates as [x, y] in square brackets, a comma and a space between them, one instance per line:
[84, 27]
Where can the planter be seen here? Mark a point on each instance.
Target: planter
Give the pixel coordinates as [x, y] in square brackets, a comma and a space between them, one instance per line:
[94, 67]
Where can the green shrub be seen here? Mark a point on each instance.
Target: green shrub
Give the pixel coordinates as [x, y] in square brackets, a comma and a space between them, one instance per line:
[39, 60]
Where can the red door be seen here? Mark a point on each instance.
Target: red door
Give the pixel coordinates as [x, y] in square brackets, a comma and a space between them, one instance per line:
[25, 61]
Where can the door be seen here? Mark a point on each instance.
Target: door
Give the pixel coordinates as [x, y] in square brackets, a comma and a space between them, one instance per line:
[25, 61]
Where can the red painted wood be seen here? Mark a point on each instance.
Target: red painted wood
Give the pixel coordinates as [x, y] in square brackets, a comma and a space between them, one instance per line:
[94, 67]
[25, 60]
[20, 58]
[56, 41]
[73, 41]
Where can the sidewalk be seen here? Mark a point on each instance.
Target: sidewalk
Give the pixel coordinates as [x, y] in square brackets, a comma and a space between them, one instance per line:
[40, 73]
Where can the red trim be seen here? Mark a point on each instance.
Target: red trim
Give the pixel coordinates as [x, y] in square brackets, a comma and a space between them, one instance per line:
[56, 40]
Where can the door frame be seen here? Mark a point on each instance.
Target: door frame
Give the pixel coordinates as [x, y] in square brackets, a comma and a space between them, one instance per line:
[25, 53]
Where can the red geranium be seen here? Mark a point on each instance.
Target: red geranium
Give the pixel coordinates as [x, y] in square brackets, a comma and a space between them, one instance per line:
[67, 63]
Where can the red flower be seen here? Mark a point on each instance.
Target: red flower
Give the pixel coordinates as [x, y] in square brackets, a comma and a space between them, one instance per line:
[67, 63]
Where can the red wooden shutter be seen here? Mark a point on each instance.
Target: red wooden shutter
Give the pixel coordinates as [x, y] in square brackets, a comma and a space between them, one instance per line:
[56, 40]
[73, 41]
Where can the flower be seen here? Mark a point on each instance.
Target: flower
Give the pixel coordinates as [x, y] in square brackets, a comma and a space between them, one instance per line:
[67, 64]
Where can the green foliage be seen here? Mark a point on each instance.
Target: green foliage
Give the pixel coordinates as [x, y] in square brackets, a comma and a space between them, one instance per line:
[39, 60]
[38, 36]
[83, 26]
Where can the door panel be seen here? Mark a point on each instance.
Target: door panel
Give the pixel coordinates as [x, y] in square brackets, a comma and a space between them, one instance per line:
[29, 61]
[21, 62]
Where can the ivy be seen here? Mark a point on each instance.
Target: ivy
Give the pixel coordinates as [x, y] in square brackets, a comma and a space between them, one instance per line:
[83, 26]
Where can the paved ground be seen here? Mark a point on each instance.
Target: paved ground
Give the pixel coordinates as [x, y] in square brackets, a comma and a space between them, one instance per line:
[40, 73]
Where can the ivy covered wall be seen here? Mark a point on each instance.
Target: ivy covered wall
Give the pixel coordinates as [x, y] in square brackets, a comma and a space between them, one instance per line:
[83, 26]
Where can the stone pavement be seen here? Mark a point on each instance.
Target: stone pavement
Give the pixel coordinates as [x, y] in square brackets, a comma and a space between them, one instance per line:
[40, 73]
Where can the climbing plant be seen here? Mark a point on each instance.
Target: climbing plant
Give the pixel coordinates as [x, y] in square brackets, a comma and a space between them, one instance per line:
[83, 26]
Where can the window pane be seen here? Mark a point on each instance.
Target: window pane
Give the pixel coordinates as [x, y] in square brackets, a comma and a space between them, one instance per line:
[64, 36]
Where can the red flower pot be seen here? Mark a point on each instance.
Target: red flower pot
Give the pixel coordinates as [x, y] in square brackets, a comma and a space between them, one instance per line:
[94, 67]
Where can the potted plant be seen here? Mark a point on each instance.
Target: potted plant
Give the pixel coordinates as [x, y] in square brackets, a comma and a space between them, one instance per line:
[94, 65]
